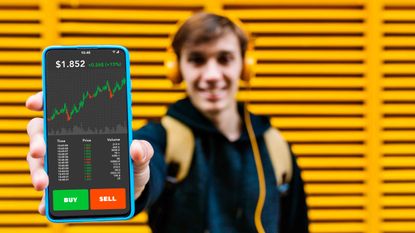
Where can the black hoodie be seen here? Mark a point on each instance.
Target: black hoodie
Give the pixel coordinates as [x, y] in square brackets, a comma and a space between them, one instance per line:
[220, 192]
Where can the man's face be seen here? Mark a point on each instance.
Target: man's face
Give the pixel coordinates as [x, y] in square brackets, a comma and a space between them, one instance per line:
[211, 72]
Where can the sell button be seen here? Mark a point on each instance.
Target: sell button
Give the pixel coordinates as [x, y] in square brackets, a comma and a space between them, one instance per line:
[105, 199]
[70, 199]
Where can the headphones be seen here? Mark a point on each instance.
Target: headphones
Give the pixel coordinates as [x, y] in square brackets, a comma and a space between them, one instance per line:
[172, 67]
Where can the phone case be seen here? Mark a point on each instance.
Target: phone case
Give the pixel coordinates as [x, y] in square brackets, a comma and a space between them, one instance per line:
[129, 122]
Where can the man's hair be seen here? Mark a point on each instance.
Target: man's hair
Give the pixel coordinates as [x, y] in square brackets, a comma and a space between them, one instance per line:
[204, 27]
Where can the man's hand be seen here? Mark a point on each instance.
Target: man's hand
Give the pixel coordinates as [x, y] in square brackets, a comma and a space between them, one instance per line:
[141, 153]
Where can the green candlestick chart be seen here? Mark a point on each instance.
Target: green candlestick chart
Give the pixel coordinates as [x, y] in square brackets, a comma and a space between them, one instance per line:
[76, 108]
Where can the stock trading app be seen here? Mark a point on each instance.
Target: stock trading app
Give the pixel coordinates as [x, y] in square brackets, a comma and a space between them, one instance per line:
[87, 127]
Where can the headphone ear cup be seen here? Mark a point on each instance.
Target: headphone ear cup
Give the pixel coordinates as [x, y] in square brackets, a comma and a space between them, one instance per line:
[247, 70]
[172, 69]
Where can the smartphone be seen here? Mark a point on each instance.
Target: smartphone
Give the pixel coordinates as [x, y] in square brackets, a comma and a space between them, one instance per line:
[88, 133]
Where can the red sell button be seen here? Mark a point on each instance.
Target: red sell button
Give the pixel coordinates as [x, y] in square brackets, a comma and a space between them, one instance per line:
[107, 199]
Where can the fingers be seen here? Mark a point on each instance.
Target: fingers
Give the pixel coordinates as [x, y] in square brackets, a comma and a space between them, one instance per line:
[40, 179]
[141, 152]
[41, 207]
[36, 153]
[37, 150]
[35, 102]
[37, 142]
[35, 127]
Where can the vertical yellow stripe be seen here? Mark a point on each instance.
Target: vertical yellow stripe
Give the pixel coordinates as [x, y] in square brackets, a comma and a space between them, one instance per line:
[214, 6]
[373, 114]
[50, 20]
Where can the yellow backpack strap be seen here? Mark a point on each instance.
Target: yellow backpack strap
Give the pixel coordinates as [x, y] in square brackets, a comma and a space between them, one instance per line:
[280, 155]
[180, 145]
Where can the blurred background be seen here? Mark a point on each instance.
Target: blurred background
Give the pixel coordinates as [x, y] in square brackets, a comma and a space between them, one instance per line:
[336, 77]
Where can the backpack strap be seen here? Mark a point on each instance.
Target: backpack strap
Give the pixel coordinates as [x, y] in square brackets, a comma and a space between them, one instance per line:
[280, 156]
[180, 146]
[181, 143]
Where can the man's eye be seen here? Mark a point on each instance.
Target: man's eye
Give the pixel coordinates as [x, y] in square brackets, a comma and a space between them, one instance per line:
[197, 60]
[224, 59]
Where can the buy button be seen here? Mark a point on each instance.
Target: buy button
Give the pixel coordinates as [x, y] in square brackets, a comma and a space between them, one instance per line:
[70, 199]
[106, 199]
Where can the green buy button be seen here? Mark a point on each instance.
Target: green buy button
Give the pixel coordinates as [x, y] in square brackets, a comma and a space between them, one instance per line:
[70, 199]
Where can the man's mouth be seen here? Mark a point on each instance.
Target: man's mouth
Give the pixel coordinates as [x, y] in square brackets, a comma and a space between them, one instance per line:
[213, 95]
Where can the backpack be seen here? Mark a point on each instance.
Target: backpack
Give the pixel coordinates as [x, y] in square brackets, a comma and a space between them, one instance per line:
[181, 143]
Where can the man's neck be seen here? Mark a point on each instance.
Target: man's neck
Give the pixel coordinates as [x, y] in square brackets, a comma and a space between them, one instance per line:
[228, 122]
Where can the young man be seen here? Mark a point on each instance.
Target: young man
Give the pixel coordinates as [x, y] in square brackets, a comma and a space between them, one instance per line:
[220, 192]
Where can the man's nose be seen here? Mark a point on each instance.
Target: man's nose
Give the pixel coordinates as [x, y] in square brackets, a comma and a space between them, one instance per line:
[212, 71]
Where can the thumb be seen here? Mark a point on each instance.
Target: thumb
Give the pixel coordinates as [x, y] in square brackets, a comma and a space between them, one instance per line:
[141, 152]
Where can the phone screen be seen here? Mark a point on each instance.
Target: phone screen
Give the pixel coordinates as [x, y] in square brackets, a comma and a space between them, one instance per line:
[87, 125]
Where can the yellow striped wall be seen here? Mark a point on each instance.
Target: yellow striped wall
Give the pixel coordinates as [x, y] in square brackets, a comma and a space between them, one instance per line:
[337, 77]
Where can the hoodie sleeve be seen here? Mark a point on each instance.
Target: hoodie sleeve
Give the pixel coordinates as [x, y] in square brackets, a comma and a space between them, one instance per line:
[294, 217]
[155, 134]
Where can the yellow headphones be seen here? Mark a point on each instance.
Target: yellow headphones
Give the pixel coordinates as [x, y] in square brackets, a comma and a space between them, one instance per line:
[172, 65]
